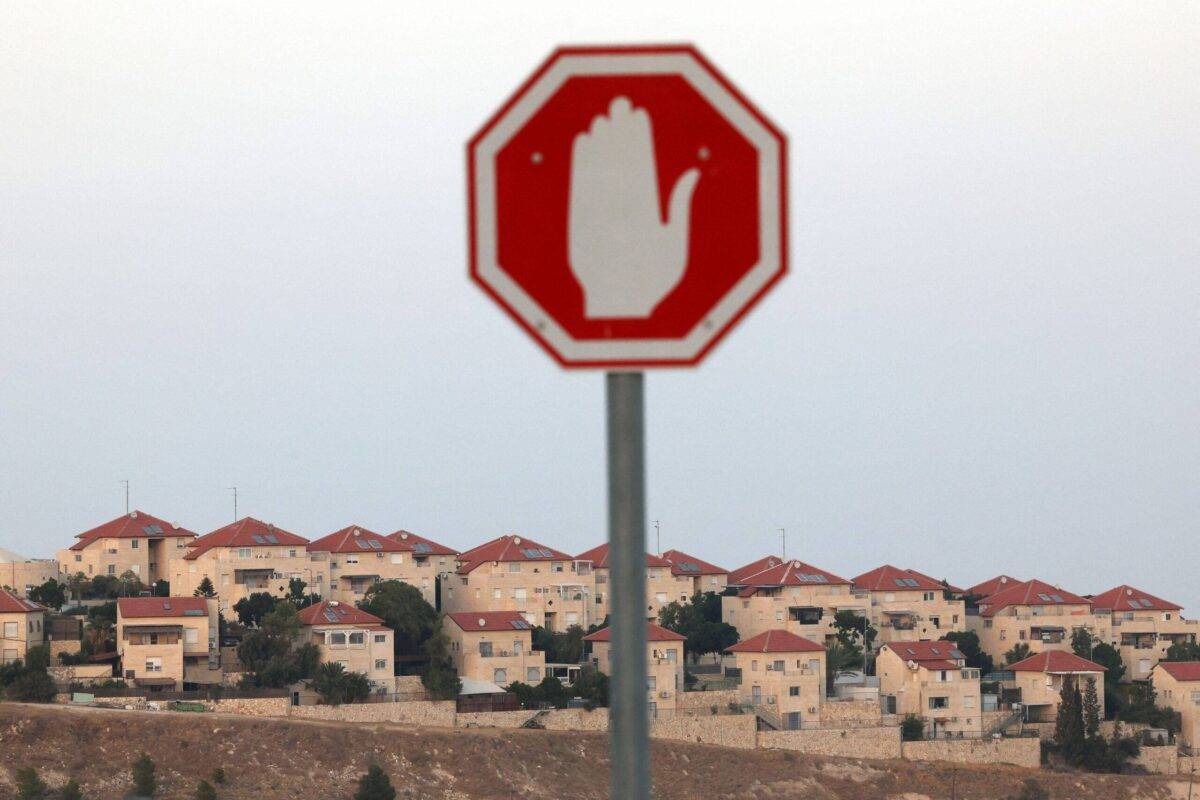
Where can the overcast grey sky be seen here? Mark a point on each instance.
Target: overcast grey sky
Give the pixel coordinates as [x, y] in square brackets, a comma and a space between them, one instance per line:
[232, 252]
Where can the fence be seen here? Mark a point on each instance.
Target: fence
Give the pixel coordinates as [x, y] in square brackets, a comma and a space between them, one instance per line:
[474, 704]
[214, 693]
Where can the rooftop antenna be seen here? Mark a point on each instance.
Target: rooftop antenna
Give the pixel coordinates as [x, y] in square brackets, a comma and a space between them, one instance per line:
[235, 514]
[126, 482]
[783, 543]
[657, 539]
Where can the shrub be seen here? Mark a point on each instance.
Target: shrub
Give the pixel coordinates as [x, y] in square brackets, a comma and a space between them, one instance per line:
[71, 791]
[1032, 790]
[912, 728]
[205, 791]
[375, 785]
[218, 776]
[30, 784]
[143, 776]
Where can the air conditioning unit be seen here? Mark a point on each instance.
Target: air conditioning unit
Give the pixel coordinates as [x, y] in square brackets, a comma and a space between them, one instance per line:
[664, 695]
[812, 710]
[770, 701]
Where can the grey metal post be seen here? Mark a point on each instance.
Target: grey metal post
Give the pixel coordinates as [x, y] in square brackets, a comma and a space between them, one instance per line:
[629, 725]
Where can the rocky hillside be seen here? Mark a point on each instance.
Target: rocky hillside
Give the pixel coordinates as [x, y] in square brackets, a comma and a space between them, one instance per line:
[282, 760]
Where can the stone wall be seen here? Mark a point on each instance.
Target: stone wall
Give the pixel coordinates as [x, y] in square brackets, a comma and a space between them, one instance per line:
[1159, 760]
[851, 714]
[1022, 752]
[1189, 763]
[438, 713]
[701, 703]
[844, 743]
[1046, 729]
[81, 673]
[251, 706]
[732, 730]
[564, 719]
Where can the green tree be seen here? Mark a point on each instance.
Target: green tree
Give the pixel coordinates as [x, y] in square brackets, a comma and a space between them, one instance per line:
[252, 609]
[912, 728]
[840, 658]
[1069, 731]
[30, 784]
[144, 783]
[296, 593]
[1183, 651]
[71, 791]
[51, 594]
[405, 611]
[853, 628]
[1091, 710]
[440, 678]
[559, 648]
[967, 643]
[335, 685]
[1019, 652]
[130, 584]
[78, 584]
[699, 621]
[205, 588]
[28, 681]
[267, 652]
[205, 791]
[375, 785]
[553, 692]
[592, 687]
[161, 588]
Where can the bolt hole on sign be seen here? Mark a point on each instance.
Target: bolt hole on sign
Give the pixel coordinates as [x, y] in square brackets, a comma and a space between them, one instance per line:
[627, 206]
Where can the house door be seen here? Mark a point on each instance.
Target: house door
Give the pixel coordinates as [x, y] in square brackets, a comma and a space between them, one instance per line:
[756, 695]
[792, 723]
[295, 698]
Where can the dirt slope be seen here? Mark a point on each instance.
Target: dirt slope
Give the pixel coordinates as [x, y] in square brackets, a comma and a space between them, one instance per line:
[278, 760]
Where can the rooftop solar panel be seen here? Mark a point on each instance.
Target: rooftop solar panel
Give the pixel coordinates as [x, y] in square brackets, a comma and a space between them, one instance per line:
[421, 547]
[153, 530]
[258, 539]
[272, 538]
[375, 544]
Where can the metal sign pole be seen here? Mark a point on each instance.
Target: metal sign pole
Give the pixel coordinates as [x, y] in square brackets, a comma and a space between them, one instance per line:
[629, 725]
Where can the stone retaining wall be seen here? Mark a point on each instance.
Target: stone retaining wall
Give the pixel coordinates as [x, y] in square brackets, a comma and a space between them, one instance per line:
[1022, 752]
[251, 707]
[844, 743]
[438, 713]
[559, 719]
[1159, 760]
[701, 703]
[731, 730]
[851, 714]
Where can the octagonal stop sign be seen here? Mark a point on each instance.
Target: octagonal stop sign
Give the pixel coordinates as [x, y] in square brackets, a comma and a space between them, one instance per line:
[627, 206]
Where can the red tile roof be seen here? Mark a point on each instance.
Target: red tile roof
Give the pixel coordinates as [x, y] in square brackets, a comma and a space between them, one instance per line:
[993, 585]
[599, 558]
[1055, 661]
[1127, 598]
[11, 604]
[1029, 593]
[508, 548]
[893, 579]
[792, 573]
[1182, 670]
[754, 567]
[941, 654]
[654, 633]
[356, 539]
[134, 607]
[331, 612]
[683, 564]
[135, 524]
[490, 621]
[421, 546]
[776, 641]
[248, 532]
[938, 581]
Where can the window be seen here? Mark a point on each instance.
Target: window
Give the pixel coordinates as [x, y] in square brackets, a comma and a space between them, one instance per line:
[754, 666]
[1004, 634]
[135, 544]
[191, 635]
[381, 663]
[514, 566]
[777, 665]
[1143, 665]
[243, 552]
[153, 665]
[651, 683]
[935, 622]
[1196, 698]
[10, 630]
[497, 593]
[793, 691]
[78, 558]
[485, 649]
[397, 558]
[519, 594]
[672, 655]
[224, 578]
[351, 559]
[291, 553]
[939, 702]
[381, 638]
[969, 701]
[112, 569]
[942, 676]
[499, 677]
[533, 675]
[814, 665]
[337, 638]
[357, 638]
[928, 597]
[1021, 634]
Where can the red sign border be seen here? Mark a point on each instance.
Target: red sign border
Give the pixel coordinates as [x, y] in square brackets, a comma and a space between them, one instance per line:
[665, 49]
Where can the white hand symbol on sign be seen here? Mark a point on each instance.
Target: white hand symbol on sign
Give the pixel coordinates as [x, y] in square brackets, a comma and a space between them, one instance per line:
[625, 257]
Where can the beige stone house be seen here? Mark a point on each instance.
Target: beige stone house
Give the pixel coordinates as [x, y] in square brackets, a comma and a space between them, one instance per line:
[136, 542]
[694, 576]
[661, 584]
[1035, 613]
[1177, 686]
[168, 643]
[1040, 679]
[494, 647]
[438, 558]
[784, 674]
[349, 636]
[991, 586]
[21, 574]
[931, 680]
[22, 626]
[245, 557]
[1141, 626]
[358, 558]
[792, 596]
[908, 606]
[511, 573]
[664, 665]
